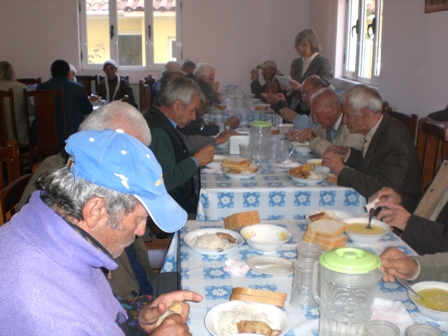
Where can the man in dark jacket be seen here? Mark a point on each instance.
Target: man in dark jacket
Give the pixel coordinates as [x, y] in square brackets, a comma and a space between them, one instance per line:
[179, 103]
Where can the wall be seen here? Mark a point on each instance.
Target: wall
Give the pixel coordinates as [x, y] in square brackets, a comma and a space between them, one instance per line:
[233, 35]
[414, 75]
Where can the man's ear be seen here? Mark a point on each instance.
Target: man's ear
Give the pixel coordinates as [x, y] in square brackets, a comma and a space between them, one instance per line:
[94, 211]
[177, 106]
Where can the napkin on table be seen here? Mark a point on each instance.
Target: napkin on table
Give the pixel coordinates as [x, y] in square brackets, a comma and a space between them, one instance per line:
[392, 311]
[236, 268]
[217, 171]
[288, 164]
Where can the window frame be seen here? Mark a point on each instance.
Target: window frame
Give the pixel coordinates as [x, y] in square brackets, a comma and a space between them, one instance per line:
[113, 20]
[356, 74]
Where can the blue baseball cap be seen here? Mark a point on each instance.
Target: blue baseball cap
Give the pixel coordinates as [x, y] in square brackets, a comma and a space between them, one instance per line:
[118, 161]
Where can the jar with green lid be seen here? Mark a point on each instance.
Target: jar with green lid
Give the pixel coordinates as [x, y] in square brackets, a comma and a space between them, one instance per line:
[260, 132]
[348, 281]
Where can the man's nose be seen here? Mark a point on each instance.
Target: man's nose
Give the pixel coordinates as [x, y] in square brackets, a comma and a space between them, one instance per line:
[140, 229]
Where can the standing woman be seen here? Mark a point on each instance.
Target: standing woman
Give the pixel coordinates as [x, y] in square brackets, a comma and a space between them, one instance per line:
[309, 63]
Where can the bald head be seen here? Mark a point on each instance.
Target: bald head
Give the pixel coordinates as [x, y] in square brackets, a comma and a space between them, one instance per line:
[326, 107]
[311, 85]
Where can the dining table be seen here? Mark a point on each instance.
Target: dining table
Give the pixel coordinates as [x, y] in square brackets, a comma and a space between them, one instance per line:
[206, 275]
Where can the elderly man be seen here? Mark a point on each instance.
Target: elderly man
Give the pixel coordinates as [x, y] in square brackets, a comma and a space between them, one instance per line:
[134, 275]
[426, 230]
[271, 84]
[205, 73]
[326, 109]
[75, 99]
[180, 101]
[388, 158]
[66, 237]
[113, 87]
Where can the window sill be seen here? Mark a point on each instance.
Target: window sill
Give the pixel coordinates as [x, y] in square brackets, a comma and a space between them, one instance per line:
[345, 84]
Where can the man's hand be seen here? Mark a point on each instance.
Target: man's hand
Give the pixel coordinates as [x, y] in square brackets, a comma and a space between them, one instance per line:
[288, 114]
[173, 325]
[292, 134]
[150, 313]
[393, 214]
[233, 122]
[396, 263]
[386, 194]
[224, 136]
[205, 155]
[295, 85]
[306, 134]
[254, 74]
[125, 99]
[338, 150]
[334, 162]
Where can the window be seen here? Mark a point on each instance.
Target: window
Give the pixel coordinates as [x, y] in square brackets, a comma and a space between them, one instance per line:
[362, 59]
[138, 34]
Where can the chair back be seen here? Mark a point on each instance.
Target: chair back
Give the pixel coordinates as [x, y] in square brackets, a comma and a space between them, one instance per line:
[432, 148]
[30, 81]
[9, 159]
[410, 121]
[87, 82]
[7, 114]
[99, 78]
[144, 87]
[10, 197]
[46, 120]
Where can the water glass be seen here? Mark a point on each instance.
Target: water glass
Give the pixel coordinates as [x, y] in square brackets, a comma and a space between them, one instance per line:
[283, 149]
[380, 327]
[276, 120]
[302, 284]
[309, 251]
[245, 151]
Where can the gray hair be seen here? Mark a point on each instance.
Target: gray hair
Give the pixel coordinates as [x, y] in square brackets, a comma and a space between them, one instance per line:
[62, 192]
[117, 115]
[325, 97]
[203, 69]
[8, 71]
[180, 88]
[310, 36]
[361, 96]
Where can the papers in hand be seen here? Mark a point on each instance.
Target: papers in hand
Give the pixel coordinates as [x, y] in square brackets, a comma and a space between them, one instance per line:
[284, 80]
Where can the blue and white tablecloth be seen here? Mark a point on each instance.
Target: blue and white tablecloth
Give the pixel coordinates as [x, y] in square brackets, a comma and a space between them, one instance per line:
[206, 276]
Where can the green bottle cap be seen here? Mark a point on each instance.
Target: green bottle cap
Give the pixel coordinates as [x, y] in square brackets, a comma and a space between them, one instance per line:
[260, 123]
[350, 260]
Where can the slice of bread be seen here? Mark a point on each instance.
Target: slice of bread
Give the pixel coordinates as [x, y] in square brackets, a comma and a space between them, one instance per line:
[326, 228]
[241, 219]
[258, 295]
[319, 216]
[302, 168]
[252, 168]
[235, 163]
[325, 243]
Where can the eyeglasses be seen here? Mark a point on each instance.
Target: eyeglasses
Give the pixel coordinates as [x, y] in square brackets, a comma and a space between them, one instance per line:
[305, 93]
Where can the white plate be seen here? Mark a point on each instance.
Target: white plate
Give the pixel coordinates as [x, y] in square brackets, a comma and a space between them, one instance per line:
[309, 181]
[337, 213]
[191, 235]
[277, 317]
[216, 164]
[241, 176]
[270, 265]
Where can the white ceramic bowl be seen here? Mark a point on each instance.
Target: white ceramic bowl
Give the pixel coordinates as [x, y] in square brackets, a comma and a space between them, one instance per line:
[216, 163]
[285, 127]
[318, 166]
[302, 148]
[431, 313]
[265, 237]
[366, 239]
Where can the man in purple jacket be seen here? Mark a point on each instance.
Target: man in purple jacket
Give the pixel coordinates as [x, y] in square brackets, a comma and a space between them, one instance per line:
[57, 251]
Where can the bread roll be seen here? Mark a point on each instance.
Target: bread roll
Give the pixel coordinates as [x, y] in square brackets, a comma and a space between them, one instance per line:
[241, 219]
[175, 308]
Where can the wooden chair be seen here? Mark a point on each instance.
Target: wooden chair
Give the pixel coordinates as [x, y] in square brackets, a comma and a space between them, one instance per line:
[10, 197]
[9, 159]
[410, 121]
[432, 148]
[30, 81]
[144, 86]
[5, 115]
[87, 82]
[46, 119]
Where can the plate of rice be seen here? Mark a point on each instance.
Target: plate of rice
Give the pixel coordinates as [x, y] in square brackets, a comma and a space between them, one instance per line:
[213, 241]
[222, 319]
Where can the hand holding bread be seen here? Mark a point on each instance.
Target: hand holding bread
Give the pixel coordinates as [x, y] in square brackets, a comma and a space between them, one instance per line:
[205, 155]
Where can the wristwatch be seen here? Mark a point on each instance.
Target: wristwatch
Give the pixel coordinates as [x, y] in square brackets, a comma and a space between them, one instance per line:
[226, 126]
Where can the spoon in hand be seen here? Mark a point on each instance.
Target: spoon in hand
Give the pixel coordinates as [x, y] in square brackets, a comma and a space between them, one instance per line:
[405, 284]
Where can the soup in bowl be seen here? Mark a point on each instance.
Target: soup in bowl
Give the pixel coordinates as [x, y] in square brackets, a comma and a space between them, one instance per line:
[359, 234]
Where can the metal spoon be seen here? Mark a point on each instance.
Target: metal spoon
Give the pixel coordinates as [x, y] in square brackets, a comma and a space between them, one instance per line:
[405, 284]
[371, 214]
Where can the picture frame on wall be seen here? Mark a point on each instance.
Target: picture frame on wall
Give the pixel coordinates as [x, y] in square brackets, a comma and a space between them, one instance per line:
[435, 5]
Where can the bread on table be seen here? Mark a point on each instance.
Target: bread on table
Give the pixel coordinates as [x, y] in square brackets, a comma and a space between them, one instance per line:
[326, 243]
[241, 219]
[256, 327]
[235, 163]
[259, 296]
[175, 308]
[319, 216]
[301, 170]
[326, 233]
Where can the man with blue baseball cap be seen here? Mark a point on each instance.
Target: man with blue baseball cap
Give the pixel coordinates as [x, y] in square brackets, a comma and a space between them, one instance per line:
[56, 251]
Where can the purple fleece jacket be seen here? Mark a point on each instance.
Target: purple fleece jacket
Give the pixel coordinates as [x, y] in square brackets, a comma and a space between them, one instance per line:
[51, 282]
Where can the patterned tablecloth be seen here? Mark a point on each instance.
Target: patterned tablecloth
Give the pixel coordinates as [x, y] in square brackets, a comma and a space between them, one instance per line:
[240, 108]
[273, 193]
[206, 275]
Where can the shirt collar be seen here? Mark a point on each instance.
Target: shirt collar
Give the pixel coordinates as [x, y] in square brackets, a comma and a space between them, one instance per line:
[371, 133]
[337, 123]
[172, 122]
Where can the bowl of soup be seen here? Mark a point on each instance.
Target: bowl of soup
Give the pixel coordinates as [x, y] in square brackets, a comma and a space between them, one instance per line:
[358, 232]
[435, 299]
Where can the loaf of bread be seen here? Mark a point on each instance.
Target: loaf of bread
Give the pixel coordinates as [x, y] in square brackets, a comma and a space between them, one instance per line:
[298, 171]
[241, 219]
[332, 179]
[326, 233]
[319, 216]
[258, 295]
[326, 243]
[235, 163]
